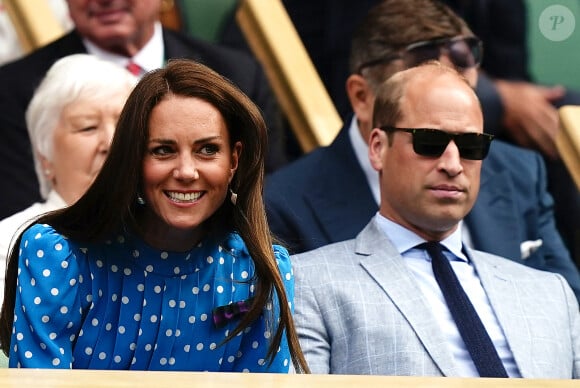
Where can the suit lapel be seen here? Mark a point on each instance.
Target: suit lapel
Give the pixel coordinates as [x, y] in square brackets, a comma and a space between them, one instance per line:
[331, 198]
[497, 285]
[384, 264]
[493, 222]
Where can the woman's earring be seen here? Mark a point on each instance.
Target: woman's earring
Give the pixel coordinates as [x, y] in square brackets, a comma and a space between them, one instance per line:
[233, 197]
[140, 200]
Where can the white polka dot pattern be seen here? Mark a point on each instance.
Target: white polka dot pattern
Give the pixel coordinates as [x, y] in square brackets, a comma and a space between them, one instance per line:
[124, 305]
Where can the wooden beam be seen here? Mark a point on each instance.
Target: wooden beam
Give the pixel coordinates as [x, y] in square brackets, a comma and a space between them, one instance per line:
[34, 22]
[568, 140]
[294, 80]
[169, 15]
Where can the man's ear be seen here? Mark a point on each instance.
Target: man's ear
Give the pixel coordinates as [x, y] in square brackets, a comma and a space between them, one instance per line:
[378, 144]
[361, 97]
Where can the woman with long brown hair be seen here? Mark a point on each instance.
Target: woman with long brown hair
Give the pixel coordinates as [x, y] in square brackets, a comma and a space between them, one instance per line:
[166, 262]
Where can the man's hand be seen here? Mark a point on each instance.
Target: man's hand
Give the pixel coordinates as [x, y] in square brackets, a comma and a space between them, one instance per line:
[529, 116]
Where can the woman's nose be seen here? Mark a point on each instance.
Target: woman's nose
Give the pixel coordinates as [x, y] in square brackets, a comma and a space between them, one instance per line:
[186, 169]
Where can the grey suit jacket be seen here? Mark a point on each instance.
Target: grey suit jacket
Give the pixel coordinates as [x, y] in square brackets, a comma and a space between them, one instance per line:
[359, 310]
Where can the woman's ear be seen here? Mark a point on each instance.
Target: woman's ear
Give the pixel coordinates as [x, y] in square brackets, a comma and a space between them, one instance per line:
[236, 153]
[47, 167]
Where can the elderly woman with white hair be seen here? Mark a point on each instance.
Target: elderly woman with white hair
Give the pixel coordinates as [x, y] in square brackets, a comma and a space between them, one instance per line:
[70, 120]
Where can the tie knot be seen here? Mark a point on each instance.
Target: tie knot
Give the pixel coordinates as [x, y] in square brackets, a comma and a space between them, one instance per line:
[434, 248]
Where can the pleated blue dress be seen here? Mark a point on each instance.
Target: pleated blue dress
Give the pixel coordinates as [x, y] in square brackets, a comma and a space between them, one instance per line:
[126, 305]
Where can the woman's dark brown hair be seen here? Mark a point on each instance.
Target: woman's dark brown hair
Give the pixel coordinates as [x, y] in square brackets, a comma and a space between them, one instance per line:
[110, 203]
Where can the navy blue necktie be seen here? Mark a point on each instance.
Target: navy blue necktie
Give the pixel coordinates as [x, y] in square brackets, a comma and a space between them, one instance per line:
[478, 342]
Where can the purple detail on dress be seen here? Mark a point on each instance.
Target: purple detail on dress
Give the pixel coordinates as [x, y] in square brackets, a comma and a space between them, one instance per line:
[222, 315]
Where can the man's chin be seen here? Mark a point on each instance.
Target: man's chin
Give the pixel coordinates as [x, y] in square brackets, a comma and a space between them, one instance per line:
[444, 223]
[111, 35]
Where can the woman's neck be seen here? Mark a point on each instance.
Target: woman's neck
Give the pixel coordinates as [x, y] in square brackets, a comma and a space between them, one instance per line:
[158, 234]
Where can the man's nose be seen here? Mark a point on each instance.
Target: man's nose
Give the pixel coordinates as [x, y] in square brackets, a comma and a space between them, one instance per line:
[450, 160]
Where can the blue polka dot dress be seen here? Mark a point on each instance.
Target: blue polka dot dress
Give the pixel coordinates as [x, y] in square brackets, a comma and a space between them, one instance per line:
[126, 305]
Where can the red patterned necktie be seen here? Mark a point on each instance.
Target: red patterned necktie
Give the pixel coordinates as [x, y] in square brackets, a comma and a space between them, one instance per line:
[134, 68]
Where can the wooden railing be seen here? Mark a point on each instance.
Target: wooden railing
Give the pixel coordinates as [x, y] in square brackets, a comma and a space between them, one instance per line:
[50, 378]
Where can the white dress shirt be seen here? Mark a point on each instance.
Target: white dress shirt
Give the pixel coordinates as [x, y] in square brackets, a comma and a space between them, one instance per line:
[150, 57]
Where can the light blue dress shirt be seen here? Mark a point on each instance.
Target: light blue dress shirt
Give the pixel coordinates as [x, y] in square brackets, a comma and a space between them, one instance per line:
[419, 262]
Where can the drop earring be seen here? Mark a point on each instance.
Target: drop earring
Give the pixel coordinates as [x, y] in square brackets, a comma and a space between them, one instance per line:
[233, 197]
[140, 200]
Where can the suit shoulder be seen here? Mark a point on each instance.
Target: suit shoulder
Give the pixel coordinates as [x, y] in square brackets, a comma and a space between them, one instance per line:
[547, 287]
[512, 268]
[215, 55]
[307, 168]
[335, 254]
[525, 168]
[24, 74]
[43, 57]
[504, 153]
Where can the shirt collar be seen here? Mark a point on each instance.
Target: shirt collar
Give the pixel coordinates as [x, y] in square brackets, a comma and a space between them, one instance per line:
[150, 57]
[361, 150]
[403, 239]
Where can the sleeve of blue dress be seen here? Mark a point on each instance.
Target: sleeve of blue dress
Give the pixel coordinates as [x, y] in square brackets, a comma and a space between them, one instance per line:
[48, 307]
[254, 345]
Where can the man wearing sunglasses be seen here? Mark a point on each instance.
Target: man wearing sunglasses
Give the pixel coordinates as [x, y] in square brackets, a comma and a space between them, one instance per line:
[407, 296]
[517, 105]
[330, 194]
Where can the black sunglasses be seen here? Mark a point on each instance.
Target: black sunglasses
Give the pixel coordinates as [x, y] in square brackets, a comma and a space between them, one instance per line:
[463, 51]
[433, 142]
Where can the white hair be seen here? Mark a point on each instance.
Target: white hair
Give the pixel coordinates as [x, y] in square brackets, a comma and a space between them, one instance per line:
[69, 79]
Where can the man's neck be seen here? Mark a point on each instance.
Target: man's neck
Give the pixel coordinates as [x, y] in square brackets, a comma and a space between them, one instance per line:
[127, 47]
[149, 57]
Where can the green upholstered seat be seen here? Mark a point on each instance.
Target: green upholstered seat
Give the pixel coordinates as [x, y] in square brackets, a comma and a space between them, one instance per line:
[204, 18]
[550, 61]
